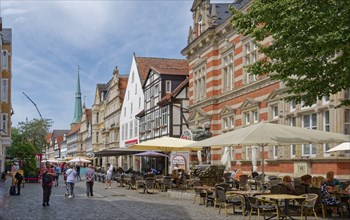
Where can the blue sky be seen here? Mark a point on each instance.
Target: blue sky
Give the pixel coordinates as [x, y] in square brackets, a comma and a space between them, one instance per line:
[51, 38]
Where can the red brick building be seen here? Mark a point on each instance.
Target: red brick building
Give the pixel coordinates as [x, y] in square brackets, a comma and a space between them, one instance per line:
[227, 97]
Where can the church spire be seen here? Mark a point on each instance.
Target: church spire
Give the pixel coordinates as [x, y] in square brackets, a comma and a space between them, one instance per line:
[78, 108]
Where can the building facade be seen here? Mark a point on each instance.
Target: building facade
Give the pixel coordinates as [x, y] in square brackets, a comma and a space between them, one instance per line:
[225, 96]
[5, 92]
[106, 115]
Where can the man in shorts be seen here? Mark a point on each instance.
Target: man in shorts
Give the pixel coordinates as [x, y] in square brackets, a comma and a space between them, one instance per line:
[109, 176]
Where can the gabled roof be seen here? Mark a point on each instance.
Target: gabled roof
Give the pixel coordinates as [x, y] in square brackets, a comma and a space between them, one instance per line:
[123, 83]
[145, 63]
[167, 98]
[56, 133]
[88, 113]
[74, 130]
[222, 9]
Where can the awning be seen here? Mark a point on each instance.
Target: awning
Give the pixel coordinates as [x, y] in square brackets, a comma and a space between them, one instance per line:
[116, 152]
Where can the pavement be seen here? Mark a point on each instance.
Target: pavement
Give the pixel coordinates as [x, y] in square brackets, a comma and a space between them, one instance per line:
[115, 203]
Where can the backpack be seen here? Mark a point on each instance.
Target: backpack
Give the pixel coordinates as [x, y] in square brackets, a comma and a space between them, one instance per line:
[13, 190]
[46, 179]
[19, 177]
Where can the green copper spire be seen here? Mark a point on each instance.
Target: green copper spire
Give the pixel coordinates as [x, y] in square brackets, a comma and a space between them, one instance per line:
[78, 112]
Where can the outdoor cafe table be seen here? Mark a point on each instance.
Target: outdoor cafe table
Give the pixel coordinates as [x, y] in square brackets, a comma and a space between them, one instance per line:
[286, 198]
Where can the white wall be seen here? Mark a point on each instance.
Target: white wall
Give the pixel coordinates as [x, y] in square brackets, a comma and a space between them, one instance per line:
[133, 96]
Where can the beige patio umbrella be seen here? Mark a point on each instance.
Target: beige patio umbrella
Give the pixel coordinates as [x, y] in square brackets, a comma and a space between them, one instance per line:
[341, 147]
[267, 134]
[165, 144]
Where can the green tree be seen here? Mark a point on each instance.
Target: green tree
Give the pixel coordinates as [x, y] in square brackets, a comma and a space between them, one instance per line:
[27, 141]
[310, 50]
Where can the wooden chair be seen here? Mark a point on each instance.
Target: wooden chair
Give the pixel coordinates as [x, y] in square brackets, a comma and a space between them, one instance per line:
[227, 200]
[308, 205]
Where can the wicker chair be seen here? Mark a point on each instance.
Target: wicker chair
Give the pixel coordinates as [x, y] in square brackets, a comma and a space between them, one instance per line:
[308, 205]
[243, 182]
[234, 200]
[150, 183]
[264, 206]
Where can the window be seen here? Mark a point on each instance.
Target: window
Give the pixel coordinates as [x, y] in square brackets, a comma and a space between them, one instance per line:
[126, 130]
[292, 150]
[200, 25]
[168, 86]
[157, 118]
[131, 129]
[309, 150]
[309, 122]
[293, 106]
[326, 125]
[247, 153]
[225, 123]
[247, 118]
[227, 72]
[142, 124]
[199, 84]
[156, 89]
[135, 128]
[131, 105]
[128, 94]
[325, 99]
[147, 94]
[293, 121]
[97, 134]
[303, 105]
[232, 119]
[164, 116]
[139, 102]
[347, 121]
[4, 59]
[97, 116]
[135, 89]
[4, 122]
[274, 111]
[132, 76]
[4, 90]
[275, 152]
[149, 121]
[250, 57]
[124, 111]
[255, 117]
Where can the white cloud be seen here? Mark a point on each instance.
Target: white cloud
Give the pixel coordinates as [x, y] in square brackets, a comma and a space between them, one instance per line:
[51, 38]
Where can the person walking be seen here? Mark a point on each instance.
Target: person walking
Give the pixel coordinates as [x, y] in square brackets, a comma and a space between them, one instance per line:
[47, 175]
[58, 171]
[89, 175]
[109, 176]
[71, 178]
[78, 172]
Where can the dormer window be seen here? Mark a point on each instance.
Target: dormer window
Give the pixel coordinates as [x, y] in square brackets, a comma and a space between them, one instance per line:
[200, 25]
[168, 86]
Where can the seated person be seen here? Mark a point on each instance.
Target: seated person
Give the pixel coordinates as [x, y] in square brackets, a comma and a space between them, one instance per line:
[330, 180]
[253, 174]
[327, 198]
[287, 181]
[306, 181]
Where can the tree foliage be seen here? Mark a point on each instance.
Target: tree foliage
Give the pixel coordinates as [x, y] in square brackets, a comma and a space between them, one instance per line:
[310, 50]
[27, 141]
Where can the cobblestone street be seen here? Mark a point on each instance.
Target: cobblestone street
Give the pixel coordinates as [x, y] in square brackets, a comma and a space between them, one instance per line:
[115, 203]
